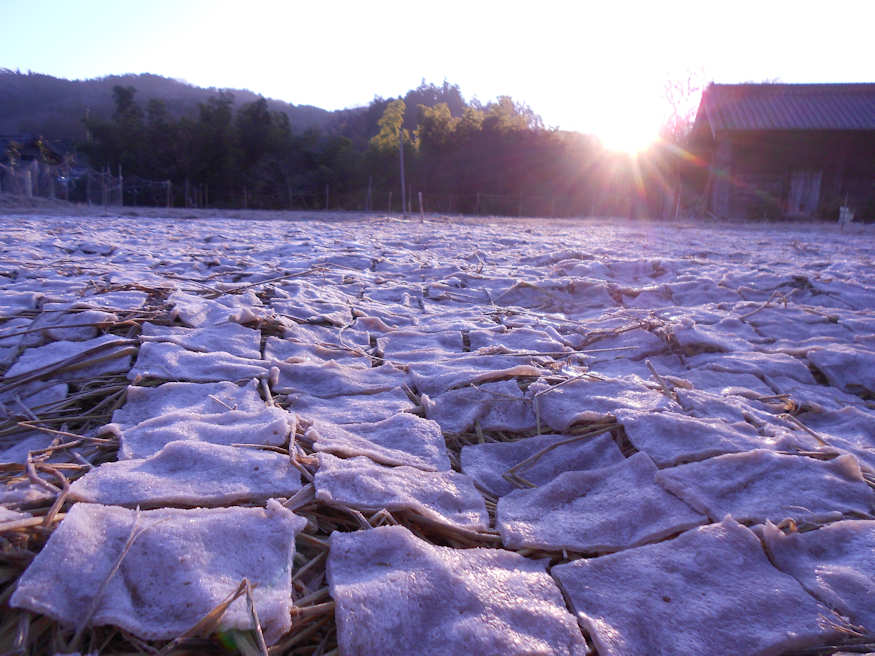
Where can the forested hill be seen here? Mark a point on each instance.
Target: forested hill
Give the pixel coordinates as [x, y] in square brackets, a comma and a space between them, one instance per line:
[226, 148]
[32, 103]
[37, 104]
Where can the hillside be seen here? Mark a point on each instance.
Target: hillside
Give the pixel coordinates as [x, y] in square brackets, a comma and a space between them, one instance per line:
[54, 107]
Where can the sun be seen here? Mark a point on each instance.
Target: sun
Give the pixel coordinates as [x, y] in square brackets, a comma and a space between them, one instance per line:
[631, 135]
[628, 118]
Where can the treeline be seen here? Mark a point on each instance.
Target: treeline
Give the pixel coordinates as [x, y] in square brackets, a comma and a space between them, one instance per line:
[39, 104]
[494, 158]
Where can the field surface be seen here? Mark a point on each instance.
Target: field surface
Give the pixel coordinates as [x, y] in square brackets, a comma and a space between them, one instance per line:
[343, 434]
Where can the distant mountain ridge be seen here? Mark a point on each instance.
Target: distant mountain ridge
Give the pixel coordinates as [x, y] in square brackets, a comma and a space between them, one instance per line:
[34, 103]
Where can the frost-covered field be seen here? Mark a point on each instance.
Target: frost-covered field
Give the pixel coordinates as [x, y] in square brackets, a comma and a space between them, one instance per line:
[366, 435]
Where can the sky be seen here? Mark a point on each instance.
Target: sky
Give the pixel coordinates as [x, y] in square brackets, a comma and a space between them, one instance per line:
[596, 67]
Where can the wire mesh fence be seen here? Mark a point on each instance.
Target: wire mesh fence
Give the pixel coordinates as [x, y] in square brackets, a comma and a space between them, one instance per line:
[138, 191]
[88, 186]
[61, 181]
[33, 179]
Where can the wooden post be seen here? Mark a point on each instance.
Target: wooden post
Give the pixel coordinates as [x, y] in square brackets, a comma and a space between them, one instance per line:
[28, 183]
[421, 213]
[88, 187]
[401, 150]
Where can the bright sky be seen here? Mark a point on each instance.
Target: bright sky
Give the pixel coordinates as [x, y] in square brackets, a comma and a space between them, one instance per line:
[593, 66]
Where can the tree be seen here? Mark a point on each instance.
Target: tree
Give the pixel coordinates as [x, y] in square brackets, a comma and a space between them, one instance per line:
[432, 95]
[436, 128]
[161, 136]
[254, 127]
[506, 115]
[387, 139]
[682, 96]
[213, 160]
[122, 140]
[470, 122]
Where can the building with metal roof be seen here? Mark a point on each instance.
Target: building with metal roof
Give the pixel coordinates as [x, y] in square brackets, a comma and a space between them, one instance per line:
[787, 150]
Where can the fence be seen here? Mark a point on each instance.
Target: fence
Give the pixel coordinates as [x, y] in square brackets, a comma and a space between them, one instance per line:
[61, 181]
[33, 179]
[140, 191]
[84, 185]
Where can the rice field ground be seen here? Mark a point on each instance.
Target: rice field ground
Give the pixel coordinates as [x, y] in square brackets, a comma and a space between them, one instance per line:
[337, 433]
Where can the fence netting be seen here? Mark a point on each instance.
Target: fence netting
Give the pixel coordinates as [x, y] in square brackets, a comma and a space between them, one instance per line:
[85, 185]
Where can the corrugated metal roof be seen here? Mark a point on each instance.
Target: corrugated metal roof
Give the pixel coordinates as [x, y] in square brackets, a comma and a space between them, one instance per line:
[730, 107]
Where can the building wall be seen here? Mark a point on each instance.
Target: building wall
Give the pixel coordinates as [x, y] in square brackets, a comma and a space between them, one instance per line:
[792, 174]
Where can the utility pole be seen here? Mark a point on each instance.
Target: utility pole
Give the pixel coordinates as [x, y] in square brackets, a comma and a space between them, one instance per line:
[403, 188]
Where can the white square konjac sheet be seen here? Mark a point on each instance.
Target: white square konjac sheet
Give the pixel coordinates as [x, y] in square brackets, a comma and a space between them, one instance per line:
[596, 511]
[849, 429]
[15, 448]
[180, 565]
[670, 438]
[755, 363]
[402, 439]
[190, 473]
[446, 497]
[167, 361]
[37, 395]
[760, 485]
[351, 408]
[398, 595]
[266, 426]
[488, 462]
[105, 354]
[709, 591]
[583, 401]
[16, 302]
[835, 563]
[142, 403]
[313, 351]
[500, 406]
[433, 378]
[519, 339]
[227, 337]
[60, 322]
[332, 379]
[416, 346]
[850, 368]
[196, 311]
